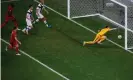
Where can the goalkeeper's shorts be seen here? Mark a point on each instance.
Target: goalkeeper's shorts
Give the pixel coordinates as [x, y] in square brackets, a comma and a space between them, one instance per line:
[98, 38]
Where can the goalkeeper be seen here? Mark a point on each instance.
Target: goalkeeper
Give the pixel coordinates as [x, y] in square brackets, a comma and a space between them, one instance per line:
[100, 36]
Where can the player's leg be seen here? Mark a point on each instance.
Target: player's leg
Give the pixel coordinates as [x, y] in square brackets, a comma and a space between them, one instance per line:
[89, 42]
[38, 18]
[26, 30]
[97, 38]
[14, 21]
[10, 46]
[101, 39]
[43, 19]
[5, 22]
[17, 48]
[28, 27]
[92, 42]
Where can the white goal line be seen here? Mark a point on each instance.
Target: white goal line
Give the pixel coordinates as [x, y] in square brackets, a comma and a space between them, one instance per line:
[36, 60]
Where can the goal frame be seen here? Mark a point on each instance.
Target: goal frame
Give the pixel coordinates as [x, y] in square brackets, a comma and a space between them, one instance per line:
[125, 27]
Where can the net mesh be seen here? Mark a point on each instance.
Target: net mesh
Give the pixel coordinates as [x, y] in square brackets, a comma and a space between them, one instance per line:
[82, 7]
[114, 12]
[130, 26]
[129, 4]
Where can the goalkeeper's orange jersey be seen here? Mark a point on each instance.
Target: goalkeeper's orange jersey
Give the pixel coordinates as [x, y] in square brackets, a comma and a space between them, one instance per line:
[104, 31]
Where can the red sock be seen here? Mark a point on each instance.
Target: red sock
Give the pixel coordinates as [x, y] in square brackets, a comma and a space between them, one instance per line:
[17, 49]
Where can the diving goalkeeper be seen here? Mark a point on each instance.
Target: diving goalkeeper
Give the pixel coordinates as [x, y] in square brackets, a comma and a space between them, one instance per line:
[100, 36]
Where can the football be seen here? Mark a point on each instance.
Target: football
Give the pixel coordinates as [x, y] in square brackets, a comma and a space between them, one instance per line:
[119, 36]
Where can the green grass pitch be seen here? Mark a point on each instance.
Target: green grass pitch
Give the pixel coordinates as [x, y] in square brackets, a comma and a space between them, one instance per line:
[60, 48]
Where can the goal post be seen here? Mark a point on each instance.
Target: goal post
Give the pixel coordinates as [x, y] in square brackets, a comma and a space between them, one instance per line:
[117, 12]
[68, 9]
[125, 21]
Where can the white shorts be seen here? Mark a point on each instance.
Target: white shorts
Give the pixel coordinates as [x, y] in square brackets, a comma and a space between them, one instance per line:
[40, 16]
[29, 23]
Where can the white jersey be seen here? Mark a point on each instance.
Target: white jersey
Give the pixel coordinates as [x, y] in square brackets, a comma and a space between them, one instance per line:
[28, 15]
[28, 18]
[39, 8]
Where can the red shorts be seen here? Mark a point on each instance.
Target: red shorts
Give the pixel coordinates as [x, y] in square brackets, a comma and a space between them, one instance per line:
[7, 18]
[13, 43]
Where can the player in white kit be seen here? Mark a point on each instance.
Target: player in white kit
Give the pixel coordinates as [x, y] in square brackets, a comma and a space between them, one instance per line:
[29, 19]
[40, 17]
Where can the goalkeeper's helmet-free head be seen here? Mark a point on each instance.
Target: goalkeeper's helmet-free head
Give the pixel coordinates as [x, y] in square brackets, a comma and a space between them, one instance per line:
[106, 26]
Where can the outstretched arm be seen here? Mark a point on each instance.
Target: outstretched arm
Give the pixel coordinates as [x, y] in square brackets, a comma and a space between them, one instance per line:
[113, 29]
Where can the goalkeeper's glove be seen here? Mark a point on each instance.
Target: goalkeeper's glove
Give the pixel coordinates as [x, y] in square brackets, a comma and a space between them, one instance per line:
[113, 29]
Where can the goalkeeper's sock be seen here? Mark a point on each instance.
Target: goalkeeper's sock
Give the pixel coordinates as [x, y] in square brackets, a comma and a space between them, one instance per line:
[101, 40]
[90, 42]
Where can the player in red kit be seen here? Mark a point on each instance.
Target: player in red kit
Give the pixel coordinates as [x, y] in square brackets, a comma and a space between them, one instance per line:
[14, 42]
[10, 16]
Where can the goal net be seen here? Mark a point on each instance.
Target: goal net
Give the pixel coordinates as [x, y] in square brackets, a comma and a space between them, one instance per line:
[117, 12]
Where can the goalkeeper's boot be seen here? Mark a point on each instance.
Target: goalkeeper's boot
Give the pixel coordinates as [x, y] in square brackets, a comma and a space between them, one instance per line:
[84, 43]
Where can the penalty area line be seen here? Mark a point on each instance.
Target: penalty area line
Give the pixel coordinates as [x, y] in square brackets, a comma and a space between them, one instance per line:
[36, 60]
[83, 26]
[8, 1]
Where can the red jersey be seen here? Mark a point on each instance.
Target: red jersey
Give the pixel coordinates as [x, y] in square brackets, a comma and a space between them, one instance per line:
[13, 35]
[10, 10]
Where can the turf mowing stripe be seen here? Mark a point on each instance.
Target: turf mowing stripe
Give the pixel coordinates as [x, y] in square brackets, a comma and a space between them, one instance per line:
[84, 26]
[38, 62]
[8, 1]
